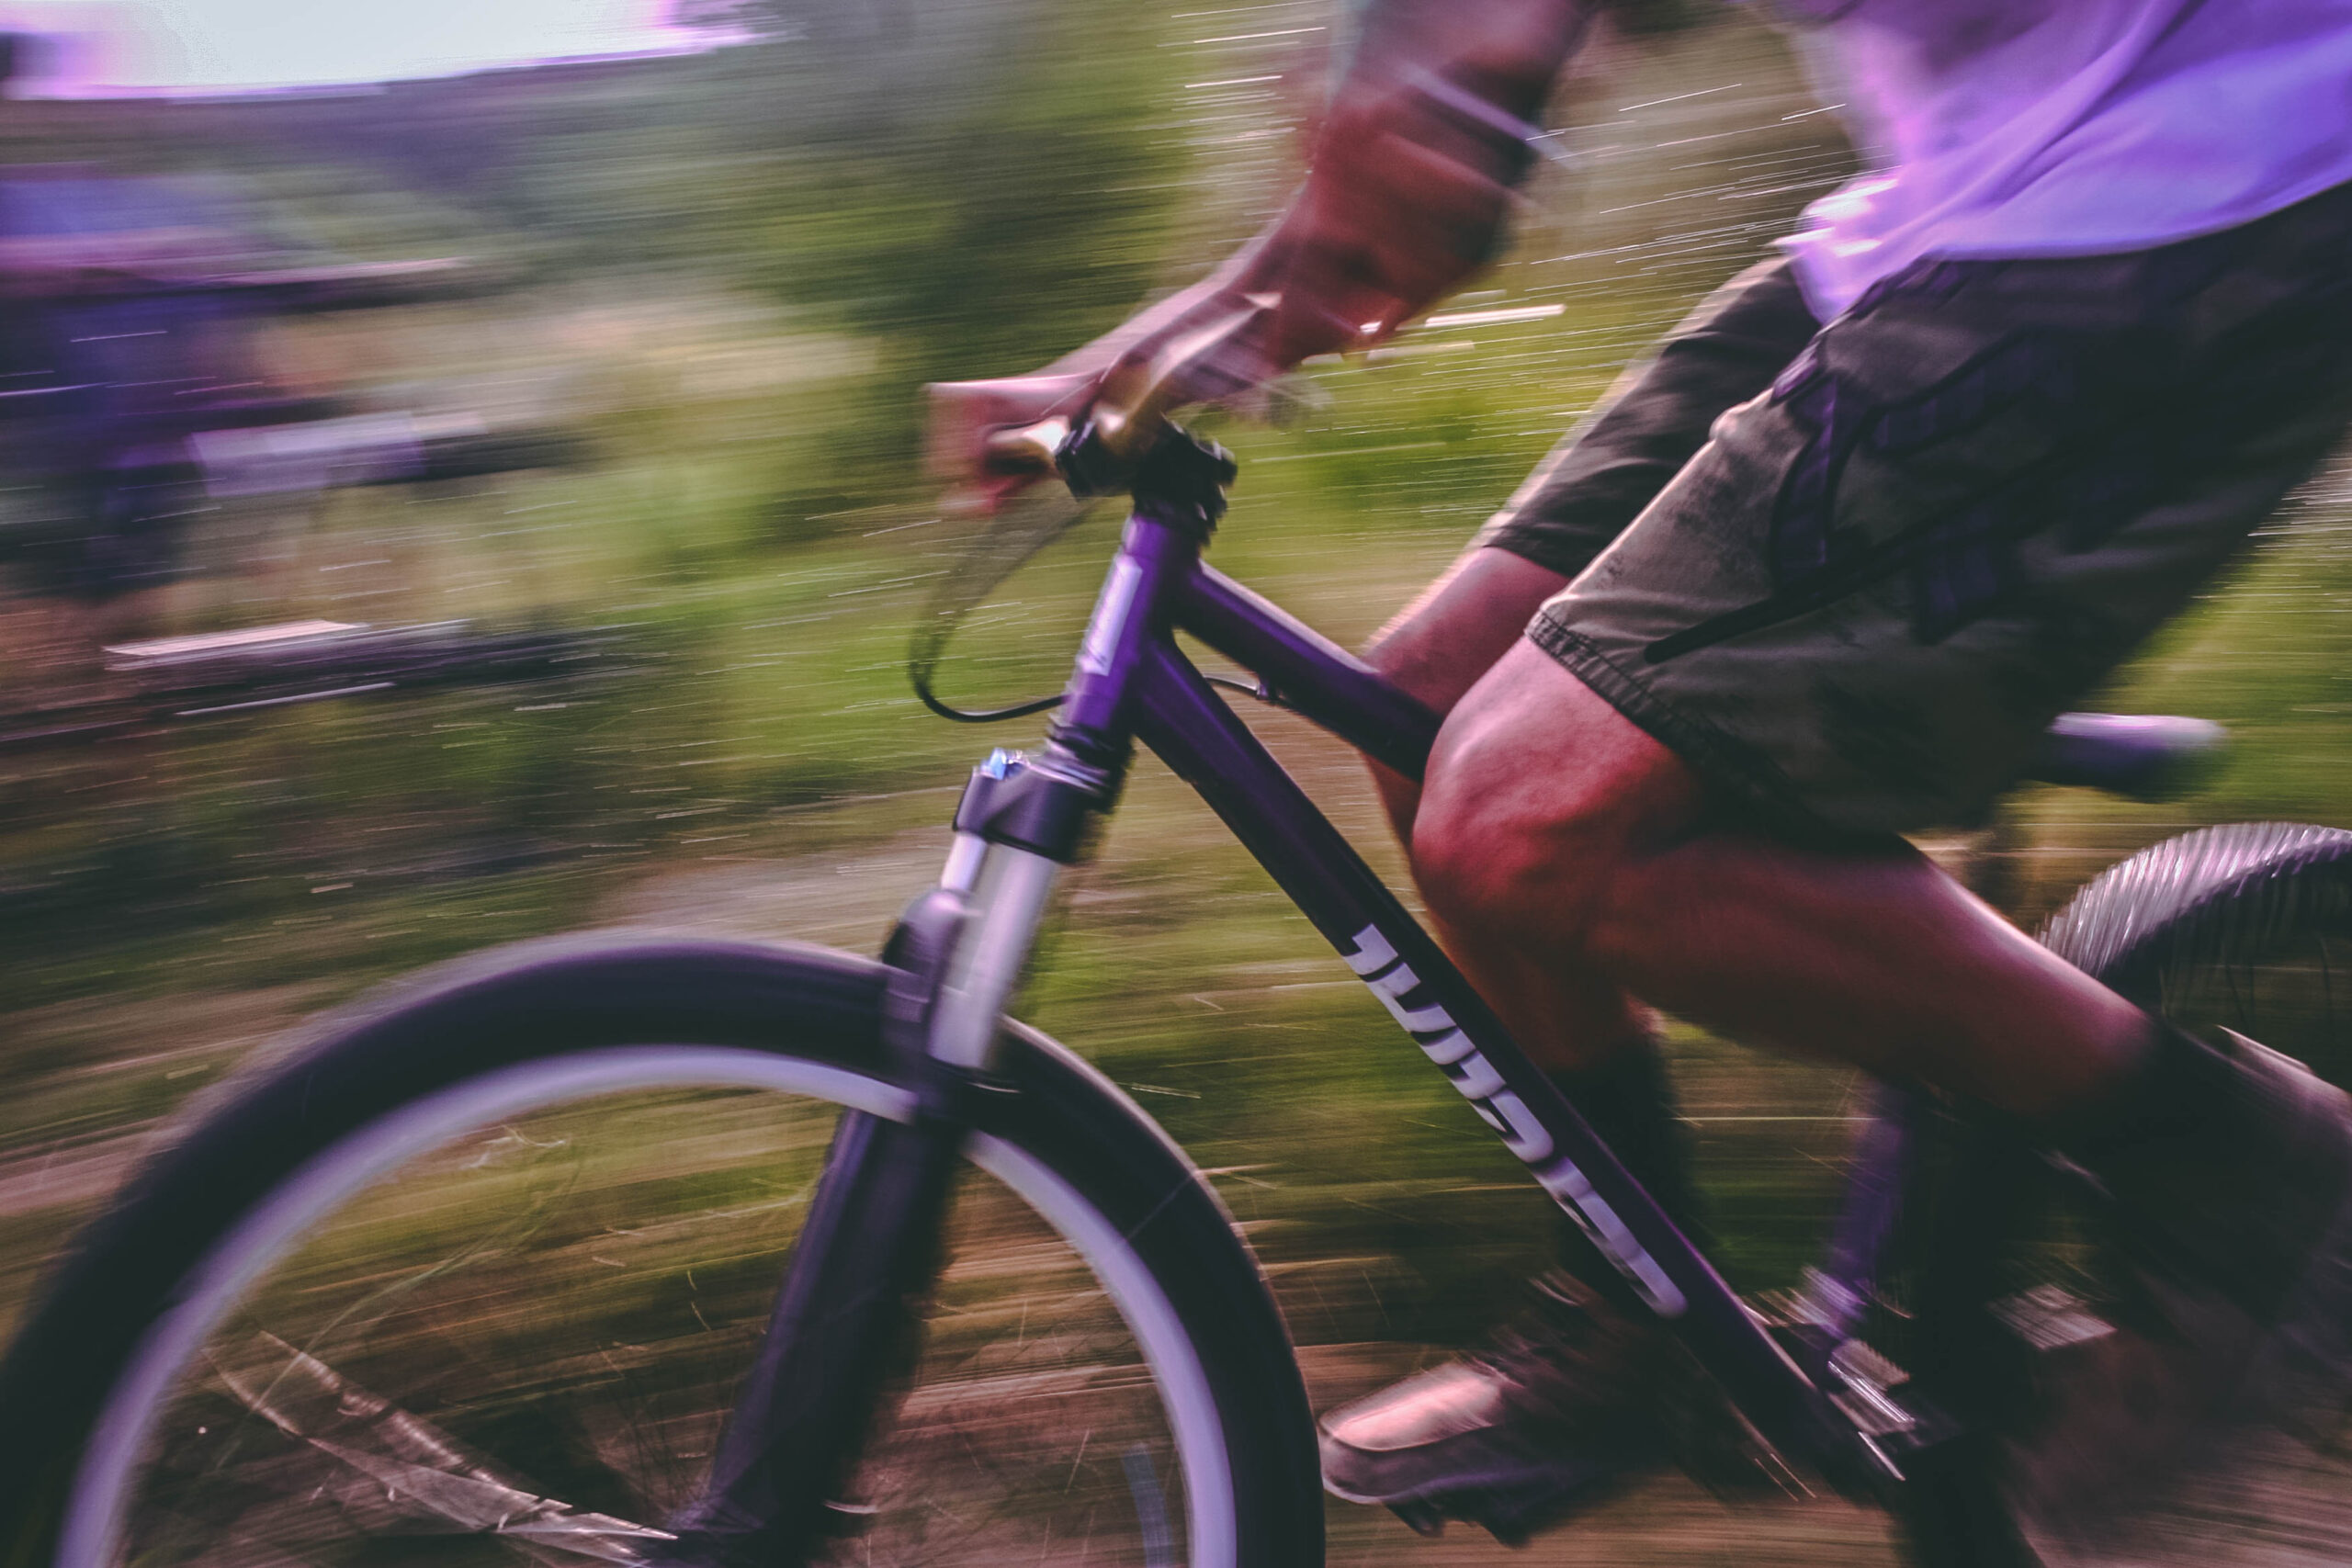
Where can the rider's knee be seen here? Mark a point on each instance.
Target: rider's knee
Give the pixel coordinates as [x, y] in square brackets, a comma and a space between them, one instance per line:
[1539, 802]
[1523, 856]
[1440, 646]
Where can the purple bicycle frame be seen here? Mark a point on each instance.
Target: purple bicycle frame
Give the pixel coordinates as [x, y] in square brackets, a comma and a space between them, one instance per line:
[1132, 680]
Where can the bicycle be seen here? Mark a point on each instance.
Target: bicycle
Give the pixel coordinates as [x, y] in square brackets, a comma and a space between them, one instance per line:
[1015, 1322]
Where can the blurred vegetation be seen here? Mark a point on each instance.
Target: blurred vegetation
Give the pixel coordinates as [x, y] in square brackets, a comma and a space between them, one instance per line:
[734, 271]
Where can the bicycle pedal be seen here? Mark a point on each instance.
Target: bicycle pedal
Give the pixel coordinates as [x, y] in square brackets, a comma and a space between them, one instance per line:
[1516, 1517]
[2050, 1320]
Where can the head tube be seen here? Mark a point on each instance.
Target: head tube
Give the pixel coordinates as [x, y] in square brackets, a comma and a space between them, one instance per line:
[1128, 616]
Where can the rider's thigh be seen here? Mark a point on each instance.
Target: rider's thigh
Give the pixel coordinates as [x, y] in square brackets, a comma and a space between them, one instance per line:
[1630, 446]
[1537, 792]
[1586, 492]
[1444, 641]
[1857, 609]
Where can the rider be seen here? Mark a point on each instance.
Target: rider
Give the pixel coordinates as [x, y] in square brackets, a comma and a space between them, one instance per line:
[1819, 574]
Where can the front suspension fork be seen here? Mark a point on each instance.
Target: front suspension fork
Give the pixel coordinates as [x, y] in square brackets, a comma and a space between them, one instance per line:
[846, 1325]
[847, 1319]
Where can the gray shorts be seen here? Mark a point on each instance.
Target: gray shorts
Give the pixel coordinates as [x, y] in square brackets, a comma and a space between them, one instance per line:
[1850, 573]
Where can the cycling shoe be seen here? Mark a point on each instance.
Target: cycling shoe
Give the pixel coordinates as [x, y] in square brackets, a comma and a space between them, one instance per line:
[1565, 1407]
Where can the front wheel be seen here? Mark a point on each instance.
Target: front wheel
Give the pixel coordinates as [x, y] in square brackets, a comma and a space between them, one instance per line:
[474, 1274]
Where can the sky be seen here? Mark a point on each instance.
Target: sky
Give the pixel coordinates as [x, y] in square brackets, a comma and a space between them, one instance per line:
[107, 47]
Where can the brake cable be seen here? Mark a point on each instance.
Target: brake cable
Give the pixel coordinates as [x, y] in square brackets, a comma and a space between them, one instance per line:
[978, 715]
[1005, 543]
[995, 553]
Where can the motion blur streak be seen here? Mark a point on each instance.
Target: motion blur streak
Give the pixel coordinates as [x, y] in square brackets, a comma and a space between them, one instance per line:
[489, 503]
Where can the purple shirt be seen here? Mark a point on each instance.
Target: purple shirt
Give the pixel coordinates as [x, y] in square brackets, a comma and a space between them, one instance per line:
[2039, 128]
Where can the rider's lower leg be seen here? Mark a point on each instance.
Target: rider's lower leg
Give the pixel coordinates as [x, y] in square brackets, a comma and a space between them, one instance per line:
[1578, 1390]
[1596, 1041]
[1438, 648]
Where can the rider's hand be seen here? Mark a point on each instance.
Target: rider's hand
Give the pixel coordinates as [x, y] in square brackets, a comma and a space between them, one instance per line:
[1404, 201]
[1409, 183]
[966, 415]
[1401, 205]
[1195, 346]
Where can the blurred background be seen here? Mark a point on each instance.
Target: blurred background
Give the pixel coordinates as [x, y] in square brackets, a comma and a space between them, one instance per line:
[460, 482]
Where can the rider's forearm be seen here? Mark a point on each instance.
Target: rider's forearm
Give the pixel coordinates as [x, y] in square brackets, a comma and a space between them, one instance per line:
[1245, 271]
[1501, 53]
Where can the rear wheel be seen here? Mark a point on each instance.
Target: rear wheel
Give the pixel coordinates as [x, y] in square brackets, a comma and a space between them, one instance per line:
[477, 1276]
[2246, 927]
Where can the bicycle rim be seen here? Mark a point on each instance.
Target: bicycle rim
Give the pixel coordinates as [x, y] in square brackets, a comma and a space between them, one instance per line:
[2288, 985]
[505, 1320]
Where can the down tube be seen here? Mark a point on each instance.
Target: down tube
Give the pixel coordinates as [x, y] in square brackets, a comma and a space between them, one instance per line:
[1200, 738]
